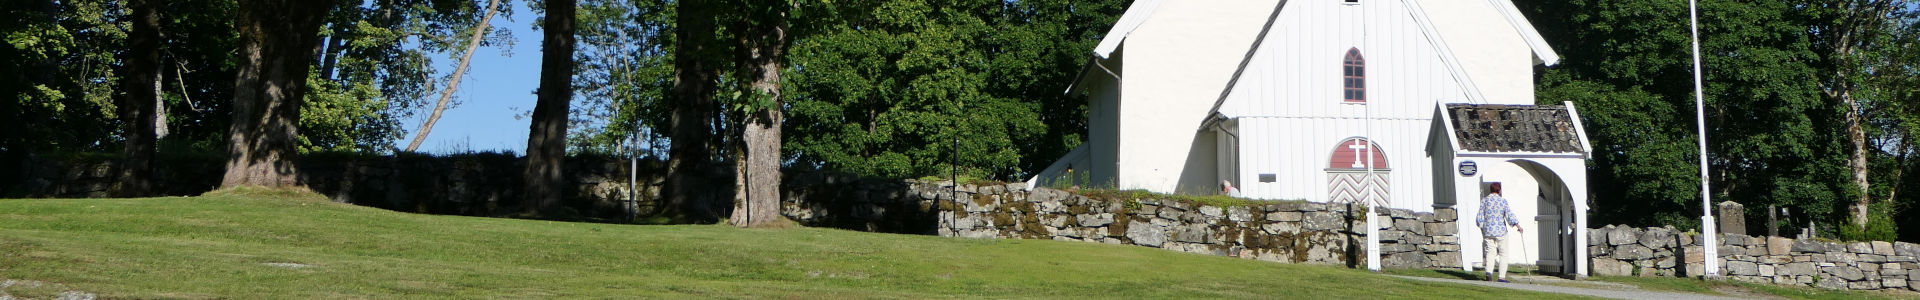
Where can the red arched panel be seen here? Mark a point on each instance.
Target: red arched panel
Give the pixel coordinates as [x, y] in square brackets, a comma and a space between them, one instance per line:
[1351, 154]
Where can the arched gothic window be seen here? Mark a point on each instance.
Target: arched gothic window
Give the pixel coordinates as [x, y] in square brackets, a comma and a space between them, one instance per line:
[1355, 75]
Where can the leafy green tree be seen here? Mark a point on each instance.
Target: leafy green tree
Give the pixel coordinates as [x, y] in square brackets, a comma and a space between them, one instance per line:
[761, 29]
[446, 95]
[625, 73]
[1850, 33]
[547, 137]
[59, 90]
[697, 55]
[375, 67]
[139, 89]
[197, 74]
[1886, 77]
[1781, 78]
[1628, 65]
[277, 38]
[896, 88]
[1042, 46]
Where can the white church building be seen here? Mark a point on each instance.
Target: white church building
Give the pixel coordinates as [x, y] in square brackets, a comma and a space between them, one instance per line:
[1303, 100]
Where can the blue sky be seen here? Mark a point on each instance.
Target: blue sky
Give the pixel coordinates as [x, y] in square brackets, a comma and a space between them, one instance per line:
[496, 89]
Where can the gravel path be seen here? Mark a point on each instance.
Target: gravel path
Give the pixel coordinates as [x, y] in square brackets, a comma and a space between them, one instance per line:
[1603, 293]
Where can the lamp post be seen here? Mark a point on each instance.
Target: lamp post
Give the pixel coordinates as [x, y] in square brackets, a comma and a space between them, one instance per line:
[1711, 245]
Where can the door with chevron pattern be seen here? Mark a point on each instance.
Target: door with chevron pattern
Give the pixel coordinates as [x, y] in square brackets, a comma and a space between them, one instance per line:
[1347, 179]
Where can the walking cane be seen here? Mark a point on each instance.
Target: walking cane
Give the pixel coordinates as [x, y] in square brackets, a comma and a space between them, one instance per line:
[1523, 246]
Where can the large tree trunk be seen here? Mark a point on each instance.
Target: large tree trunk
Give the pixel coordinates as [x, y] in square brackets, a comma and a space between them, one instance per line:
[139, 87]
[689, 190]
[765, 47]
[1857, 159]
[473, 43]
[547, 137]
[1860, 20]
[277, 38]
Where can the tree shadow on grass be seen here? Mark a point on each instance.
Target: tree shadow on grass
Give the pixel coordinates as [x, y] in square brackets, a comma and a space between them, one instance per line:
[1460, 274]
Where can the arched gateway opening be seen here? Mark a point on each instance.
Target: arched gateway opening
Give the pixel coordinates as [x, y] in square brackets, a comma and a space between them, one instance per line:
[1538, 153]
[1541, 199]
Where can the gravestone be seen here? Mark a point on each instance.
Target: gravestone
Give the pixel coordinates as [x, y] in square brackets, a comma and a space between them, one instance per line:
[1733, 218]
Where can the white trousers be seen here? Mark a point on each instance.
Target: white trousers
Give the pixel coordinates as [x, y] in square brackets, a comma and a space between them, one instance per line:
[1496, 254]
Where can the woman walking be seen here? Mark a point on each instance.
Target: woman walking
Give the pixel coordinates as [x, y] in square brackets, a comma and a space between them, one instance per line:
[1494, 219]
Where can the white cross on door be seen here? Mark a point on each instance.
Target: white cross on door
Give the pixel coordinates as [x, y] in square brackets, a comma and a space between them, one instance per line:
[1358, 146]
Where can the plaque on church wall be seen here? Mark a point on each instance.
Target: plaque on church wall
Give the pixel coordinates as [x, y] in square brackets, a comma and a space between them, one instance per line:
[1267, 177]
[1468, 168]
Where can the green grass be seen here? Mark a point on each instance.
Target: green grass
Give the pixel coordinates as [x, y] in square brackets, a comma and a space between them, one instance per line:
[1689, 285]
[218, 246]
[1715, 286]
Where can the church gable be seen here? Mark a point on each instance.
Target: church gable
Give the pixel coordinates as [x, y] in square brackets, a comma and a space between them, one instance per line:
[1319, 58]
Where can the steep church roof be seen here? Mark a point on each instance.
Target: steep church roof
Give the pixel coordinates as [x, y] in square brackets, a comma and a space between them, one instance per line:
[1542, 52]
[1141, 10]
[1136, 14]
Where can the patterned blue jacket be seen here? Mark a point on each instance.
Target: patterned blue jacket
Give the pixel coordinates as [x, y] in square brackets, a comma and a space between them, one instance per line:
[1495, 217]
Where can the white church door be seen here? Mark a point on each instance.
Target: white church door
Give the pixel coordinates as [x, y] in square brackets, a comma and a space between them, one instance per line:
[1347, 179]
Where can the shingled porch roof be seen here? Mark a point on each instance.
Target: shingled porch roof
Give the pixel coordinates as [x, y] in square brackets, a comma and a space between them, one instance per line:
[1515, 128]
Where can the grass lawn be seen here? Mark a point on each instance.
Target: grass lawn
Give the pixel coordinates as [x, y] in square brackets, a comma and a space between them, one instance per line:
[243, 245]
[1690, 285]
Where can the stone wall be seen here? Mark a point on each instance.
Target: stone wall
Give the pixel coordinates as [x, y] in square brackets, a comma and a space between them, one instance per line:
[1280, 231]
[92, 176]
[1628, 251]
[468, 184]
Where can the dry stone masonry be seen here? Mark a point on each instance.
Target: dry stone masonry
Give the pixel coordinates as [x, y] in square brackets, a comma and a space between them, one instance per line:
[481, 184]
[1280, 231]
[1628, 251]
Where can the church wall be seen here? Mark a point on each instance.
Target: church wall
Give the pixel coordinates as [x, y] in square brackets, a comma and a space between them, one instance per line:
[1290, 96]
[1177, 64]
[1201, 175]
[1298, 71]
[1103, 127]
[1298, 150]
[1520, 187]
[1488, 47]
[1092, 164]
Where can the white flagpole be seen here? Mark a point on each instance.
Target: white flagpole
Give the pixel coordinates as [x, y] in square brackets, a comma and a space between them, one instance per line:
[1711, 245]
[1373, 227]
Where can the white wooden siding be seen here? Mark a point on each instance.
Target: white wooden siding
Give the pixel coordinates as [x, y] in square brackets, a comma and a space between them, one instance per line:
[1297, 151]
[1289, 99]
[1297, 71]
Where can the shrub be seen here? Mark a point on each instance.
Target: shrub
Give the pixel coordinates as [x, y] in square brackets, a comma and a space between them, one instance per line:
[1880, 226]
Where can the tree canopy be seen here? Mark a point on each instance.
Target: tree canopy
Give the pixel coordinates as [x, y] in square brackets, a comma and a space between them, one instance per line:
[1775, 136]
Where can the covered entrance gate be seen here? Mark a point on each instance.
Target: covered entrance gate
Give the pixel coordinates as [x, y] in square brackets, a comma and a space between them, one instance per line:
[1538, 154]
